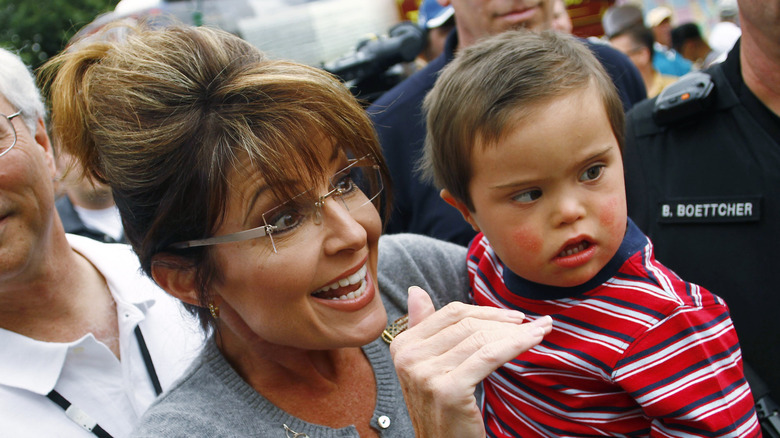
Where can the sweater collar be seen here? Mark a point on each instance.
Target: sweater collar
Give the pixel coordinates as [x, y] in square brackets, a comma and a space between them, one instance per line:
[388, 398]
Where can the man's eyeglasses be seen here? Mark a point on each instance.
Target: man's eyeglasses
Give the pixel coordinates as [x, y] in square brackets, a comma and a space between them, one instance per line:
[355, 186]
[7, 133]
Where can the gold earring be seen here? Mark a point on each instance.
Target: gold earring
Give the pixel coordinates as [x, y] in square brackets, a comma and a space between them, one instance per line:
[214, 310]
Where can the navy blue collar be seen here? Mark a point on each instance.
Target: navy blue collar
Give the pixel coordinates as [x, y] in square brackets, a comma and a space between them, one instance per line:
[633, 241]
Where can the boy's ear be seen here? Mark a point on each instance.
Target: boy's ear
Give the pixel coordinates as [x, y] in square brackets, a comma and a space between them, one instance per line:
[449, 199]
[175, 278]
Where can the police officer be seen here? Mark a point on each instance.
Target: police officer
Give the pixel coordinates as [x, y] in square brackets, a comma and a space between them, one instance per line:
[702, 166]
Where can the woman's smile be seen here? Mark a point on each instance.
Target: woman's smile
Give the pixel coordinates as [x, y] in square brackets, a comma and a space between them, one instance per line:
[349, 287]
[360, 291]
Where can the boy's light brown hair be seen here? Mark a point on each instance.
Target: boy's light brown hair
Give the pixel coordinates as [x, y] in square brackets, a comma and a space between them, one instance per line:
[492, 86]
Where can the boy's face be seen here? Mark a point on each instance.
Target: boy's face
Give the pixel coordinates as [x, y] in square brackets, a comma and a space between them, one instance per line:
[550, 195]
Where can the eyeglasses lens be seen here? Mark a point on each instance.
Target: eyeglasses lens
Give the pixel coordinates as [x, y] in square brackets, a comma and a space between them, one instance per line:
[353, 188]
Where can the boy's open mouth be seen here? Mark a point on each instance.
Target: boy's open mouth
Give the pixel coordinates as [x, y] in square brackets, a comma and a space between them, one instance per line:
[574, 249]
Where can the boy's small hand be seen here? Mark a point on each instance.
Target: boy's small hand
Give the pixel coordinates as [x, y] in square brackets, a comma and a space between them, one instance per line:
[445, 354]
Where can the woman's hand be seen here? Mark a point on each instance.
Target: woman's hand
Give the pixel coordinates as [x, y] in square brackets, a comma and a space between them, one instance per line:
[444, 355]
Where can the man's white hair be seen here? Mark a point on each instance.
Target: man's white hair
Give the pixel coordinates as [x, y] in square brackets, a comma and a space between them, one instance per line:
[17, 86]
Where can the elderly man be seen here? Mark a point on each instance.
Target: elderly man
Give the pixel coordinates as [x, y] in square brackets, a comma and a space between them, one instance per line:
[399, 121]
[87, 341]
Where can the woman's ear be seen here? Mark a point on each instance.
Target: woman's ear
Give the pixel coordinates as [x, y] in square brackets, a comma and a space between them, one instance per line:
[461, 207]
[175, 278]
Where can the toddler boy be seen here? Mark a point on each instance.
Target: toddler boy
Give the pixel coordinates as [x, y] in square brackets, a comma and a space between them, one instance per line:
[524, 137]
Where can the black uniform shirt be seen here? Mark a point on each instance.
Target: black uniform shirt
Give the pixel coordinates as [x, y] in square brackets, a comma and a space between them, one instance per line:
[706, 190]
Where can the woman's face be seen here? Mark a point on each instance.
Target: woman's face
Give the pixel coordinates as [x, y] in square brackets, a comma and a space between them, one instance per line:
[287, 297]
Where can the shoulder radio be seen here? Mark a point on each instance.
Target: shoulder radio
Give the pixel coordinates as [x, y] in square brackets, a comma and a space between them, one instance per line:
[690, 95]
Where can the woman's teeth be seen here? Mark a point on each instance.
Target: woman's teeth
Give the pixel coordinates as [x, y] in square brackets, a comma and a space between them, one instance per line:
[344, 282]
[357, 277]
[574, 250]
[352, 295]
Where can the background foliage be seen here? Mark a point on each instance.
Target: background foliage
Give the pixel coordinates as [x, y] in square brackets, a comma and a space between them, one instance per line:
[39, 29]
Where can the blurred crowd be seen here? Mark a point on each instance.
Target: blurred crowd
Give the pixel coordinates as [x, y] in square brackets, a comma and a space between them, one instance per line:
[200, 239]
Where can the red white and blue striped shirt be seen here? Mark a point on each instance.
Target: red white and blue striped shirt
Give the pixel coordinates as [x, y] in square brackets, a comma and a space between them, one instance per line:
[636, 351]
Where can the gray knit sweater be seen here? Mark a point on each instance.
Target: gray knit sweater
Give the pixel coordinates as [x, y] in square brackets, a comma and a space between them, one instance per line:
[211, 400]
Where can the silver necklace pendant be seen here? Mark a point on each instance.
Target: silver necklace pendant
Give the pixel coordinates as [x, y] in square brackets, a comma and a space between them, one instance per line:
[289, 433]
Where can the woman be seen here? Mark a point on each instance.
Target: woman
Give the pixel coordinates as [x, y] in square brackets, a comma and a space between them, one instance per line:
[247, 187]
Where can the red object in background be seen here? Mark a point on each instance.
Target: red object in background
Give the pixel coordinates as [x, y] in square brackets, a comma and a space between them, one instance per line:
[586, 16]
[408, 9]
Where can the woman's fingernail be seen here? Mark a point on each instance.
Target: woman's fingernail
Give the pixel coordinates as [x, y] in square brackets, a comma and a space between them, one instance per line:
[543, 321]
[516, 315]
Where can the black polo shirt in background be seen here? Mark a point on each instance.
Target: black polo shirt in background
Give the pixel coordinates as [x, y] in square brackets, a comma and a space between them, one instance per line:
[706, 190]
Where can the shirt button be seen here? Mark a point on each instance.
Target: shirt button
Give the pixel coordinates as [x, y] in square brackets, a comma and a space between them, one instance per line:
[384, 421]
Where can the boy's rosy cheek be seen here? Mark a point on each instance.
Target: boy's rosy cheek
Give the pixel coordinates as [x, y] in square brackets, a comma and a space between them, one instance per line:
[525, 239]
[613, 212]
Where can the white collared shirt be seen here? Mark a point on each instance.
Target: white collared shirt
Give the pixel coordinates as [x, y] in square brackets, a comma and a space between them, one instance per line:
[85, 371]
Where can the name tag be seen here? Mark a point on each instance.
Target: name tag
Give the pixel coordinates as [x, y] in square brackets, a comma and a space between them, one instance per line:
[711, 210]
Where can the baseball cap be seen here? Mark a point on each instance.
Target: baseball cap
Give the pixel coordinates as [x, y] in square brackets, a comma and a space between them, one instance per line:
[616, 19]
[431, 14]
[657, 16]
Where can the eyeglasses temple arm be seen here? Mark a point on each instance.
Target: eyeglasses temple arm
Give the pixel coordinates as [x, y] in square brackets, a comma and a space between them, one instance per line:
[233, 237]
